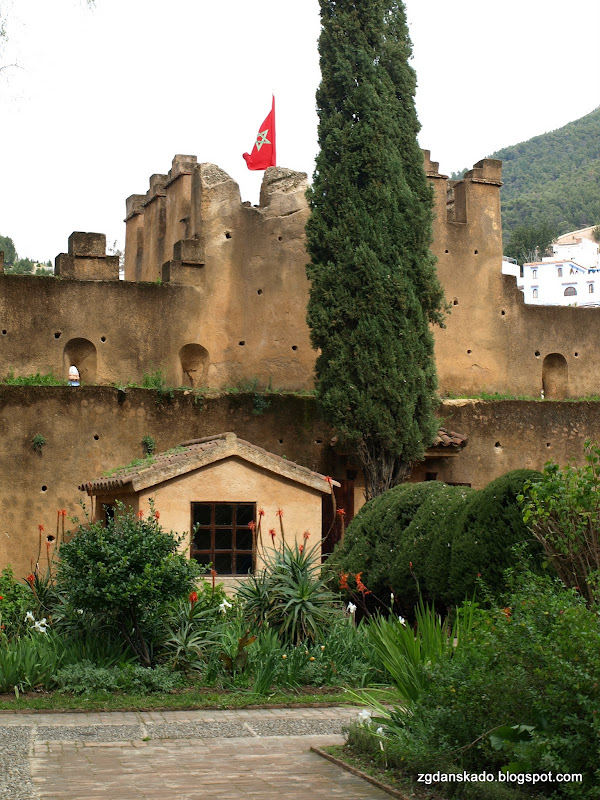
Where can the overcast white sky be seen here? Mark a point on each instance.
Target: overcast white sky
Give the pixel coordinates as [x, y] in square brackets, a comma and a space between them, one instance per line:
[102, 99]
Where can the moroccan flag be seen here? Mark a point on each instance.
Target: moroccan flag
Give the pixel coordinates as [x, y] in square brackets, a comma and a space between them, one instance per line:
[263, 152]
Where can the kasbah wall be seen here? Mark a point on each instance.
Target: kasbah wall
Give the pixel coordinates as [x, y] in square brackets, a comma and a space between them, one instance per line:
[215, 293]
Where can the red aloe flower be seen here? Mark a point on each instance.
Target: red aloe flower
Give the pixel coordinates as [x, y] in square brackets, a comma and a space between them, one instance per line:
[273, 534]
[301, 548]
[140, 514]
[252, 525]
[157, 515]
[344, 580]
[30, 579]
[63, 512]
[261, 512]
[40, 528]
[306, 534]
[360, 585]
[193, 598]
[341, 512]
[279, 512]
[328, 479]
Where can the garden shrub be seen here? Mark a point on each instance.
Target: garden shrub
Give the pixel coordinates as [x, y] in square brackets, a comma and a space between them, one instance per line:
[532, 663]
[490, 524]
[374, 533]
[435, 540]
[127, 572]
[85, 678]
[290, 595]
[15, 601]
[426, 544]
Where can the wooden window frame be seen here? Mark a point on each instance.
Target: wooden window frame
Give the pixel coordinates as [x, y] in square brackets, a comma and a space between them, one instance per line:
[233, 552]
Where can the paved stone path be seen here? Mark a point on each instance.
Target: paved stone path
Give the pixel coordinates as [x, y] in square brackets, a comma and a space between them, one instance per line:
[176, 755]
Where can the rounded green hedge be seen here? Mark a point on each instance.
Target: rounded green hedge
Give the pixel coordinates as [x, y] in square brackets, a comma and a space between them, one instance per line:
[435, 539]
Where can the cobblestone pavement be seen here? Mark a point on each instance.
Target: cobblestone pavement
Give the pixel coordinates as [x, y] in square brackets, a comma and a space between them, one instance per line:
[176, 755]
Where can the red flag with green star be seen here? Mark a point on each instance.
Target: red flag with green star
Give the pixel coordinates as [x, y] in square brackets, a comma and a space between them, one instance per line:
[263, 152]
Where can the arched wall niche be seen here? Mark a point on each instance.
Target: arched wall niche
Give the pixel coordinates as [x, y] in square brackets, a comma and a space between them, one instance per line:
[555, 376]
[80, 353]
[193, 365]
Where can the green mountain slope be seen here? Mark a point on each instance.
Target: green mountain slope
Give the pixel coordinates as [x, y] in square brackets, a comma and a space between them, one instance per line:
[553, 178]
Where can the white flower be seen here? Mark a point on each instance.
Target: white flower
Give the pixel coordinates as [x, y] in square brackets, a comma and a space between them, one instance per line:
[392, 598]
[80, 610]
[40, 627]
[29, 617]
[379, 731]
[351, 608]
[224, 606]
[364, 717]
[401, 620]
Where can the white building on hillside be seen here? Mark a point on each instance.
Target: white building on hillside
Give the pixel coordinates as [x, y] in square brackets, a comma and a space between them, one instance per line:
[560, 282]
[570, 277]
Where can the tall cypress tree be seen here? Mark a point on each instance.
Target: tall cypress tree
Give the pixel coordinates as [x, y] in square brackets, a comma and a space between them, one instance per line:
[374, 288]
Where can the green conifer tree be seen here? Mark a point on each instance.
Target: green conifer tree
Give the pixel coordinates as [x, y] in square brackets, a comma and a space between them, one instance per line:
[374, 288]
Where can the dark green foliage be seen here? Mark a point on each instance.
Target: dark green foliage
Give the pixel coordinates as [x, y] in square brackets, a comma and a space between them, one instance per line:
[529, 243]
[15, 601]
[6, 243]
[531, 666]
[374, 289]
[126, 572]
[490, 525]
[375, 532]
[435, 539]
[553, 178]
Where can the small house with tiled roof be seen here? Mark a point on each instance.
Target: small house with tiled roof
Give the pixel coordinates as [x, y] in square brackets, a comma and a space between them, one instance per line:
[215, 488]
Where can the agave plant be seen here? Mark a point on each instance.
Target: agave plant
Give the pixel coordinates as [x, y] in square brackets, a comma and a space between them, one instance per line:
[291, 595]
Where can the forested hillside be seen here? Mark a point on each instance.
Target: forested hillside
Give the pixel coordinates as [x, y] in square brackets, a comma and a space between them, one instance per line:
[553, 178]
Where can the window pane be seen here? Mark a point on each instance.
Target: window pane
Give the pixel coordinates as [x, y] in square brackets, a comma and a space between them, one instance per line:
[223, 540]
[223, 514]
[202, 540]
[202, 558]
[243, 539]
[201, 512]
[244, 514]
[243, 564]
[223, 563]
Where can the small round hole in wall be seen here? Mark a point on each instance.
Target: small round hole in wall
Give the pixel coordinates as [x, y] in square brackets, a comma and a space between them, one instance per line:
[469, 352]
[547, 444]
[242, 344]
[318, 441]
[50, 538]
[228, 234]
[576, 355]
[4, 332]
[503, 313]
[280, 238]
[280, 441]
[96, 437]
[294, 347]
[260, 291]
[103, 338]
[537, 353]
[44, 488]
[446, 251]
[455, 301]
[57, 335]
[498, 445]
[475, 251]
